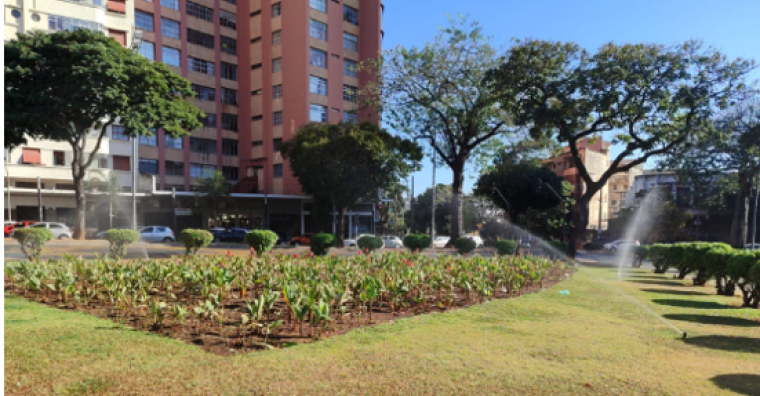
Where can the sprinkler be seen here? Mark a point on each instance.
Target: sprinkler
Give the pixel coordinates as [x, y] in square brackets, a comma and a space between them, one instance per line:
[684, 336]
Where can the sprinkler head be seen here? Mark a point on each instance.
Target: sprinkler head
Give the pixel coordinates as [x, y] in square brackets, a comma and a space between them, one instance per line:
[684, 335]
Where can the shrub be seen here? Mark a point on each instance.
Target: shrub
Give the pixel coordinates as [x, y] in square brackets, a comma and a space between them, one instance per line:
[119, 239]
[414, 242]
[658, 254]
[715, 261]
[32, 240]
[506, 247]
[370, 243]
[261, 241]
[321, 243]
[740, 266]
[639, 255]
[195, 239]
[465, 245]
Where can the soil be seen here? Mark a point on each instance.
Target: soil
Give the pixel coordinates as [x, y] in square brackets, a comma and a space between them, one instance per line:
[232, 337]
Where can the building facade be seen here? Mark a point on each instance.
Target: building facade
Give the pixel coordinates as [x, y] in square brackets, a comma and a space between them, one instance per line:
[619, 186]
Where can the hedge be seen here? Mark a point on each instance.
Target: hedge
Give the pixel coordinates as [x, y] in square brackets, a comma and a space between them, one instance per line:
[32, 240]
[321, 243]
[465, 245]
[261, 241]
[506, 247]
[417, 242]
[369, 243]
[119, 239]
[194, 240]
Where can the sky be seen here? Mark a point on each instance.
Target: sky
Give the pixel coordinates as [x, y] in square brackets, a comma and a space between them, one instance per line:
[731, 26]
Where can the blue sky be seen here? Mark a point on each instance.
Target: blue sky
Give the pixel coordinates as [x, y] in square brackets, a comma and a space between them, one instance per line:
[731, 26]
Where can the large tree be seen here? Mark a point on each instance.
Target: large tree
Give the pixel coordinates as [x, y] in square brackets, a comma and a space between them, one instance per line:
[72, 86]
[649, 98]
[213, 195]
[444, 211]
[436, 94]
[391, 212]
[340, 164]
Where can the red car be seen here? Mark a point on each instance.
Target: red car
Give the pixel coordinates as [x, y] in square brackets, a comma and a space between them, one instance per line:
[9, 227]
[301, 240]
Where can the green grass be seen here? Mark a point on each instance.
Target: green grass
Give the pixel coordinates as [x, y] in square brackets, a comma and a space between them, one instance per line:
[595, 341]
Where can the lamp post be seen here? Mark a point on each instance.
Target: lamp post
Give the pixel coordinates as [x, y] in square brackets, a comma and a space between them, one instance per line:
[8, 176]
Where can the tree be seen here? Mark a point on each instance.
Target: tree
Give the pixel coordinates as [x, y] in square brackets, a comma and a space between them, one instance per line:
[651, 97]
[213, 195]
[552, 222]
[392, 213]
[731, 145]
[444, 211]
[436, 94]
[342, 163]
[66, 85]
[108, 188]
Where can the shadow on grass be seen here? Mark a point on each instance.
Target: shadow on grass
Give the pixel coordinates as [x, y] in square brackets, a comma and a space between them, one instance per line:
[713, 320]
[637, 277]
[743, 384]
[726, 343]
[676, 292]
[692, 304]
[657, 282]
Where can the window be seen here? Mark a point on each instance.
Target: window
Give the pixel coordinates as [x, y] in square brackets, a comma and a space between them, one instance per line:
[229, 96]
[349, 67]
[170, 56]
[614, 203]
[170, 28]
[173, 4]
[201, 66]
[230, 147]
[319, 5]
[256, 92]
[350, 15]
[118, 133]
[204, 146]
[229, 71]
[148, 166]
[199, 11]
[231, 1]
[175, 168]
[122, 163]
[227, 19]
[59, 158]
[59, 23]
[257, 143]
[318, 113]
[318, 85]
[350, 116]
[318, 58]
[102, 162]
[277, 170]
[203, 93]
[276, 144]
[277, 118]
[200, 38]
[276, 65]
[209, 121]
[614, 187]
[317, 30]
[229, 45]
[350, 94]
[149, 140]
[350, 42]
[119, 36]
[276, 10]
[277, 92]
[148, 50]
[202, 171]
[173, 143]
[118, 6]
[276, 38]
[230, 173]
[20, 184]
[230, 122]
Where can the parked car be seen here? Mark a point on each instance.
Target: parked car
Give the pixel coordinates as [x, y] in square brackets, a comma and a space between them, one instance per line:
[231, 235]
[441, 241]
[598, 244]
[353, 242]
[478, 240]
[619, 244]
[9, 226]
[216, 229]
[157, 234]
[301, 240]
[59, 230]
[393, 242]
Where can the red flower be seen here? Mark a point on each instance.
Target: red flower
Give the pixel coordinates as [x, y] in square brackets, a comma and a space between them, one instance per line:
[410, 263]
[228, 253]
[296, 256]
[366, 250]
[480, 268]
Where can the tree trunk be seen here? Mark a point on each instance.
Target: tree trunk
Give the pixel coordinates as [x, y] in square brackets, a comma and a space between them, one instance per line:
[741, 212]
[79, 221]
[579, 214]
[456, 202]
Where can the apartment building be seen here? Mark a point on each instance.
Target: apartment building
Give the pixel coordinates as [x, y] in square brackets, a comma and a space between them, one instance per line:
[619, 185]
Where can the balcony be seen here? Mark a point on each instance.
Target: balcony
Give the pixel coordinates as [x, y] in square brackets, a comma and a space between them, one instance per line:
[203, 158]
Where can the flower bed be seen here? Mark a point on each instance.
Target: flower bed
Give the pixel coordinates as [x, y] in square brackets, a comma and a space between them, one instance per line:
[233, 303]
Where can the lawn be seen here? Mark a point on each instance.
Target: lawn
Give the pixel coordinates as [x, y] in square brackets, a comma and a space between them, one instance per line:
[595, 340]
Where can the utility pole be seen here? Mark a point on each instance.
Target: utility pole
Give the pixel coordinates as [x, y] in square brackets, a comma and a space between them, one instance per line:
[134, 183]
[174, 209]
[754, 211]
[432, 217]
[8, 176]
[412, 203]
[39, 198]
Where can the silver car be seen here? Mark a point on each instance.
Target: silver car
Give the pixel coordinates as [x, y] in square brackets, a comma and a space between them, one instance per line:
[392, 242]
[157, 234]
[59, 230]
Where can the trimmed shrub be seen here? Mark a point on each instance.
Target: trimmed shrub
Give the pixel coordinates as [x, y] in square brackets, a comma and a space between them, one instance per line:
[740, 266]
[506, 247]
[321, 243]
[32, 240]
[370, 243]
[119, 239]
[639, 255]
[416, 242]
[658, 254]
[715, 262]
[465, 245]
[261, 241]
[194, 240]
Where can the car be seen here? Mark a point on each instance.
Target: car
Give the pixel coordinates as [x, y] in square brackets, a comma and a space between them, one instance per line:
[353, 242]
[9, 226]
[750, 246]
[478, 240]
[231, 235]
[619, 244]
[59, 230]
[216, 229]
[157, 234]
[441, 241]
[597, 244]
[300, 240]
[392, 242]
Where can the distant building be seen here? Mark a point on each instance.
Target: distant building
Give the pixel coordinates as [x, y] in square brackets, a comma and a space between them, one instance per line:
[665, 180]
[619, 186]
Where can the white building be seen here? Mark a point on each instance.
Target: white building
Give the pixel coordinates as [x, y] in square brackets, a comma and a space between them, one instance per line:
[666, 180]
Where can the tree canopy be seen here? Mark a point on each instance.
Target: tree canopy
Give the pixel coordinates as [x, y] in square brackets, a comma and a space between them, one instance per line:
[444, 211]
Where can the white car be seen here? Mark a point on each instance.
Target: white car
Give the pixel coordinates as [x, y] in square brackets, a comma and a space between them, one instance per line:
[157, 234]
[59, 230]
[392, 242]
[478, 240]
[619, 244]
[440, 242]
[353, 242]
